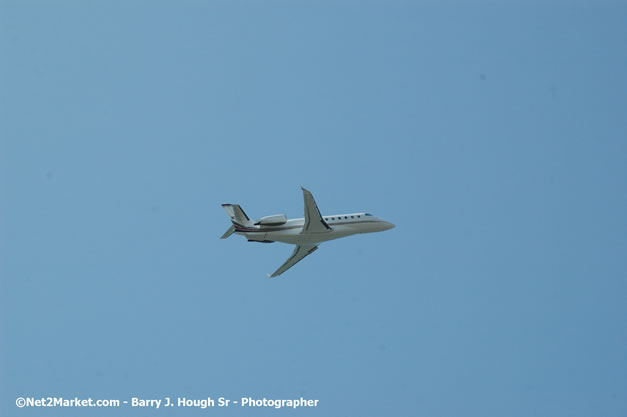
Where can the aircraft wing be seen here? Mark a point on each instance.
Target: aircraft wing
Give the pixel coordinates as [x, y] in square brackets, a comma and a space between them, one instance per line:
[313, 220]
[299, 253]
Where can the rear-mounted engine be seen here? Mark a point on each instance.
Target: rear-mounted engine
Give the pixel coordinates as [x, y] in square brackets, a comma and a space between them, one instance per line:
[275, 220]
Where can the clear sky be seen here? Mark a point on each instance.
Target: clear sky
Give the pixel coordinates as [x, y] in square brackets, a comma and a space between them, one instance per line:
[493, 134]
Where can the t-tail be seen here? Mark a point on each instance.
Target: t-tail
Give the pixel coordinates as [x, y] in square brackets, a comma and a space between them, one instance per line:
[238, 217]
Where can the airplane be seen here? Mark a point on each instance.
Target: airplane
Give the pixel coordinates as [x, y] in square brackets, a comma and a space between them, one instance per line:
[306, 233]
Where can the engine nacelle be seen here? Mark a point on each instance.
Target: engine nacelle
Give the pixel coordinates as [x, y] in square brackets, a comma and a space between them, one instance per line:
[274, 220]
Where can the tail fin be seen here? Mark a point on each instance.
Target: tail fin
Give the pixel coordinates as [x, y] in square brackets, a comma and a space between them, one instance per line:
[237, 215]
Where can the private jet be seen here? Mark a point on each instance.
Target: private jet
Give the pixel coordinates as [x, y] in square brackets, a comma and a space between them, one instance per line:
[305, 233]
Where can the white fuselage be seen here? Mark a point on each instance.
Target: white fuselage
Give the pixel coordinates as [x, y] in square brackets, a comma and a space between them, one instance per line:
[342, 225]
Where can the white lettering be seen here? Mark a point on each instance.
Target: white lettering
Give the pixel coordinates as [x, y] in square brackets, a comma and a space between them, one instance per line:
[204, 403]
[140, 402]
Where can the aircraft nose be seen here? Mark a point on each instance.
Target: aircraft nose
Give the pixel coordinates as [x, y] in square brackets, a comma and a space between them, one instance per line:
[389, 225]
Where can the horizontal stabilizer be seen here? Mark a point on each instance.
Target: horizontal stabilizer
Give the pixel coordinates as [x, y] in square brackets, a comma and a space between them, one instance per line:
[228, 233]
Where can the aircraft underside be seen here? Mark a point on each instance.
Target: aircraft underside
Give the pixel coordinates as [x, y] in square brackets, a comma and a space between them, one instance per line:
[296, 237]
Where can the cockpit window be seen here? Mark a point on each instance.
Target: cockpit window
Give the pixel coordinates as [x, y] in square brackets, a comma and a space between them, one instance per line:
[368, 214]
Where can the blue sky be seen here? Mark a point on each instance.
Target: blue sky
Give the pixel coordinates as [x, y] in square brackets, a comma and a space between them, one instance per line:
[493, 136]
